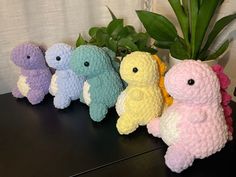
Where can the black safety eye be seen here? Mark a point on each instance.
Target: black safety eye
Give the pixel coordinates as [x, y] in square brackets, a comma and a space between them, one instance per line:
[28, 57]
[86, 64]
[58, 58]
[135, 69]
[191, 82]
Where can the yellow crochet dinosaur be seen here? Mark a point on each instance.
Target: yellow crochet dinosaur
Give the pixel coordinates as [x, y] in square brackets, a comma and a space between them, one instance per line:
[142, 100]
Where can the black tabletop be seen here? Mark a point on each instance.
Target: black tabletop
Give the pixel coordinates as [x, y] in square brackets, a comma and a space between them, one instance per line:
[41, 141]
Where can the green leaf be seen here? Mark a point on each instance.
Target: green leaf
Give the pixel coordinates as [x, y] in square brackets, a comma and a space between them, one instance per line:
[131, 29]
[194, 7]
[93, 31]
[182, 18]
[185, 6]
[157, 26]
[124, 42]
[141, 40]
[101, 37]
[114, 27]
[112, 44]
[218, 27]
[112, 14]
[179, 50]
[219, 51]
[205, 14]
[200, 3]
[80, 41]
[163, 44]
[93, 41]
[125, 31]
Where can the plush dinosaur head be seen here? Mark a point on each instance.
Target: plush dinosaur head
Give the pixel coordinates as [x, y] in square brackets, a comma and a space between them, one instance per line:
[58, 56]
[138, 68]
[90, 60]
[28, 56]
[193, 82]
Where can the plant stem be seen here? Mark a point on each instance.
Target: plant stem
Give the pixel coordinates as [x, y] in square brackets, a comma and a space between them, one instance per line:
[183, 20]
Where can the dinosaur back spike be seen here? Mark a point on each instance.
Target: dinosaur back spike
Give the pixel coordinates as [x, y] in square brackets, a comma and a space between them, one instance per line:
[225, 97]
[162, 69]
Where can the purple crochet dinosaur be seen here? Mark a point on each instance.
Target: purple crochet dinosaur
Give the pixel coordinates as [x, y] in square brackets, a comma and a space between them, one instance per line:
[35, 76]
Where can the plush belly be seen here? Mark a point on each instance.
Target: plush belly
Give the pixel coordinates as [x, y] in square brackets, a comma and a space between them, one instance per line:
[53, 85]
[120, 108]
[23, 86]
[168, 127]
[86, 94]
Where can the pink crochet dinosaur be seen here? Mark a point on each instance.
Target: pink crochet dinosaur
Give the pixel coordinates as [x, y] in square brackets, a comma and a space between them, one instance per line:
[194, 125]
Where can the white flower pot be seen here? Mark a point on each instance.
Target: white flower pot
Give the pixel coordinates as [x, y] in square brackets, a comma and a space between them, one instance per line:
[173, 61]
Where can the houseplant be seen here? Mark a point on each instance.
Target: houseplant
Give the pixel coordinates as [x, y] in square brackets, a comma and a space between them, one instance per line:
[121, 39]
[194, 18]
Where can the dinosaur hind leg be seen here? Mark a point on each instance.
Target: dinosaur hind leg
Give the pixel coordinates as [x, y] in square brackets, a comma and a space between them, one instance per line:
[16, 93]
[35, 96]
[178, 159]
[98, 111]
[126, 125]
[154, 127]
[61, 101]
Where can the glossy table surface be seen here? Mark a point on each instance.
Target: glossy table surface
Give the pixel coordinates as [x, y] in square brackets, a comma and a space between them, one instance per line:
[41, 141]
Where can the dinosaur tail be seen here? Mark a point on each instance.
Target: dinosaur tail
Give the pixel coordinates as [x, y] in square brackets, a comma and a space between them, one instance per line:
[168, 100]
[225, 97]
[114, 61]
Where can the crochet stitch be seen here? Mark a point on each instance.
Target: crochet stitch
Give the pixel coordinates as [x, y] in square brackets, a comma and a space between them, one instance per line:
[168, 100]
[65, 84]
[224, 83]
[103, 84]
[142, 100]
[35, 76]
[194, 125]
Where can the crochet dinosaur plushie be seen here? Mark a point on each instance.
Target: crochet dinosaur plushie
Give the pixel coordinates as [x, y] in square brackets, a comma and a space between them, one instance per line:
[194, 125]
[35, 76]
[103, 84]
[65, 84]
[142, 99]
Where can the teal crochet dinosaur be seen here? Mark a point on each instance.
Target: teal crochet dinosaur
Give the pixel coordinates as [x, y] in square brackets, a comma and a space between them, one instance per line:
[103, 84]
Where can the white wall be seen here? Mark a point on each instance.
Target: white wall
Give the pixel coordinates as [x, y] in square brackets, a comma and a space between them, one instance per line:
[229, 60]
[49, 21]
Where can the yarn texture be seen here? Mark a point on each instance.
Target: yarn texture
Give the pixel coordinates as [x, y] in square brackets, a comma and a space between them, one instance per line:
[103, 84]
[142, 99]
[35, 76]
[168, 100]
[194, 125]
[225, 97]
[65, 84]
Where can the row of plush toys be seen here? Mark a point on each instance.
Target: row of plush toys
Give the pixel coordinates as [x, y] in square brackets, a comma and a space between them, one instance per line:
[195, 122]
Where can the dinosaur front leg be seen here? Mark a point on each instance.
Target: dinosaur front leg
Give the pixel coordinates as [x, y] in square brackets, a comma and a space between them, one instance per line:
[98, 111]
[153, 127]
[126, 125]
[16, 93]
[61, 101]
[35, 96]
[177, 158]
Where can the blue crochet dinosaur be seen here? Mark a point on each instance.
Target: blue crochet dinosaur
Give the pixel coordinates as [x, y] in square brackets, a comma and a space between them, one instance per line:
[65, 84]
[103, 84]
